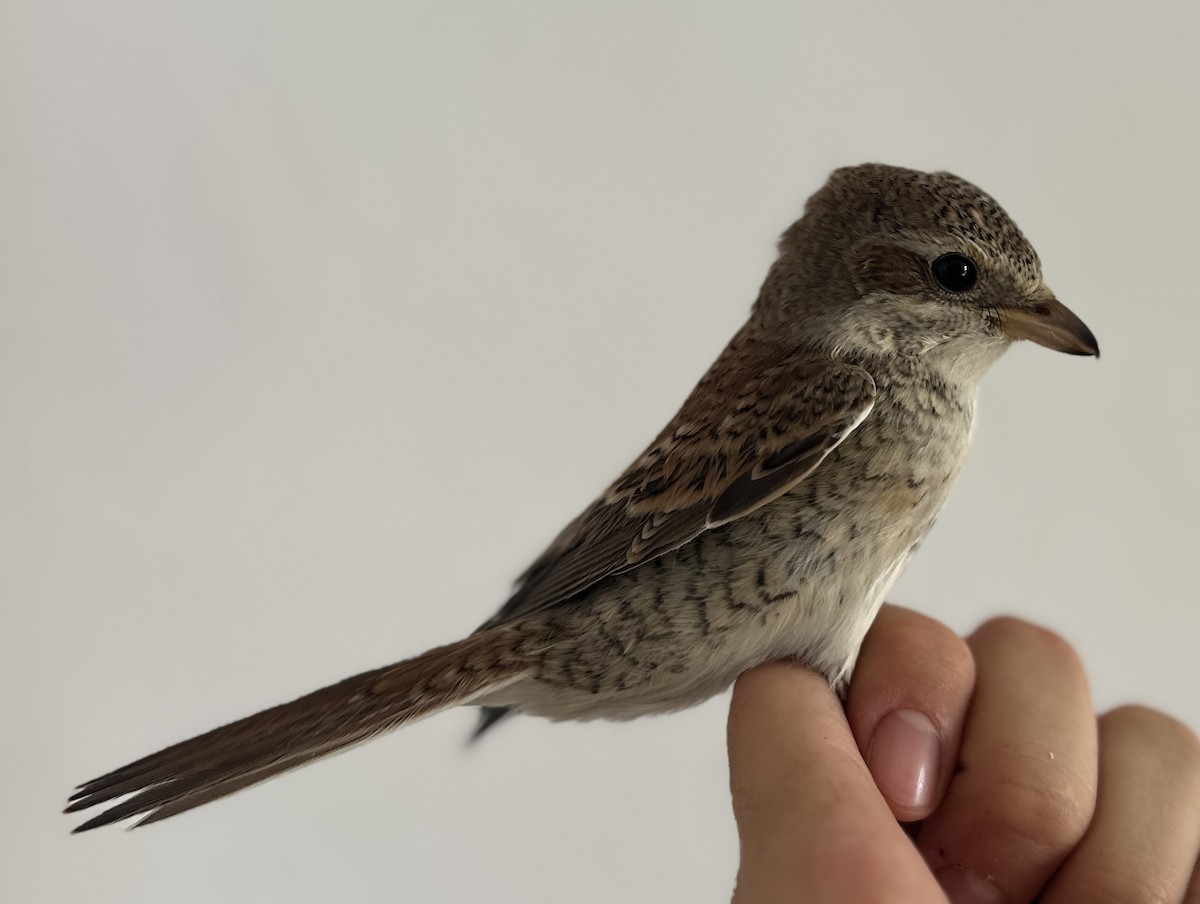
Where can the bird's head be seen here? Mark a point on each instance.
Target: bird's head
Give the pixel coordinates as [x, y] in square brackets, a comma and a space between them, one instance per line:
[892, 261]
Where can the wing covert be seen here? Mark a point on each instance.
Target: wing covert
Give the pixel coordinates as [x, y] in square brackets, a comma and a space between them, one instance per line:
[747, 434]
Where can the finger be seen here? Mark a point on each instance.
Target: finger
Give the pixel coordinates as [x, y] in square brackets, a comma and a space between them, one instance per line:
[812, 825]
[1026, 785]
[1144, 837]
[907, 702]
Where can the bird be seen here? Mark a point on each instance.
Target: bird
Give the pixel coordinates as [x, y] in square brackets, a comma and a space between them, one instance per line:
[767, 520]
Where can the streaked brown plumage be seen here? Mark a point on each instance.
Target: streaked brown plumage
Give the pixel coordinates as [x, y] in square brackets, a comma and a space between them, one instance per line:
[767, 519]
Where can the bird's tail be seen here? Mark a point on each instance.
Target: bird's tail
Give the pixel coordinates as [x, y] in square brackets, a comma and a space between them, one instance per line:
[283, 737]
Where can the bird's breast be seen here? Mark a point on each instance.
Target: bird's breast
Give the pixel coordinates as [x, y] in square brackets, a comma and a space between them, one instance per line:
[841, 538]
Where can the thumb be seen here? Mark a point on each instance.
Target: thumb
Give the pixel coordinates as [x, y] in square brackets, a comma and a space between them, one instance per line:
[812, 824]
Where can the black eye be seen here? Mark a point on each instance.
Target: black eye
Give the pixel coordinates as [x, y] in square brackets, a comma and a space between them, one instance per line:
[955, 273]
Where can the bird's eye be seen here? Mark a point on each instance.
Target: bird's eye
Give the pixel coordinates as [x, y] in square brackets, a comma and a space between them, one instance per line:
[955, 273]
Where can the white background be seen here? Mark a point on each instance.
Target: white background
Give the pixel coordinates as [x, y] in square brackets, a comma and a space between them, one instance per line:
[317, 320]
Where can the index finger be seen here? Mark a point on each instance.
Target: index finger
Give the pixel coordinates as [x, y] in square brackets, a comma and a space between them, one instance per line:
[812, 824]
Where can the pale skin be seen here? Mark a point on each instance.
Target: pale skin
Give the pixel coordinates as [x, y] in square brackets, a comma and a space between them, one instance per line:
[1026, 794]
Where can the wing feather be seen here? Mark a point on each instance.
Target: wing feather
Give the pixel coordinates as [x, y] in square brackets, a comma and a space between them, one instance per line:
[761, 420]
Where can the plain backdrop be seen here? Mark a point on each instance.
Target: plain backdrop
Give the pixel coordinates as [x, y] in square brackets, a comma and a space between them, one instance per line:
[318, 320]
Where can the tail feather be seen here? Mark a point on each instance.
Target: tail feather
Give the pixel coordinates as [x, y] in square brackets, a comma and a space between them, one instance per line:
[250, 750]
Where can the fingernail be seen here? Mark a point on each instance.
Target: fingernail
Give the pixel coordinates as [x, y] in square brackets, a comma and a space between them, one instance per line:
[965, 887]
[904, 758]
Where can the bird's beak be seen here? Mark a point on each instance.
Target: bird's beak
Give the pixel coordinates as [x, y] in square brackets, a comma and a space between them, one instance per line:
[1049, 322]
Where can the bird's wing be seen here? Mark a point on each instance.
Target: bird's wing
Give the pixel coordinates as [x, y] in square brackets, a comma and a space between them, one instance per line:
[760, 421]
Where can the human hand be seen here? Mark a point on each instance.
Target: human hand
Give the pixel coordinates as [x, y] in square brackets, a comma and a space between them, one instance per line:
[988, 747]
